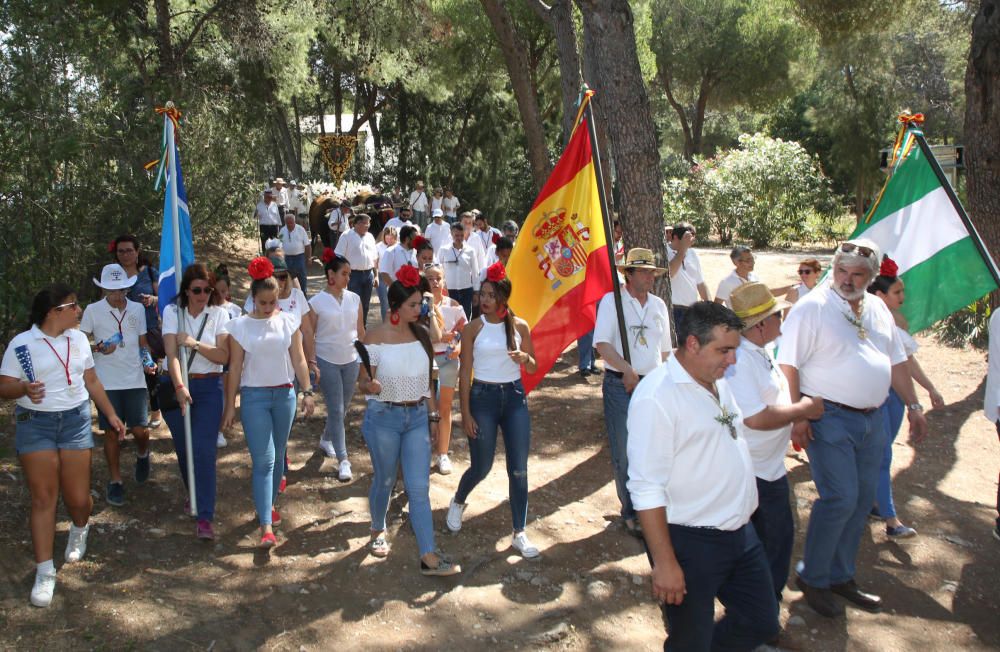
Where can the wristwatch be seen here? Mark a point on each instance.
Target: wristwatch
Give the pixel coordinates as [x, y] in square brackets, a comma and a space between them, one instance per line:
[307, 392]
[196, 346]
[915, 407]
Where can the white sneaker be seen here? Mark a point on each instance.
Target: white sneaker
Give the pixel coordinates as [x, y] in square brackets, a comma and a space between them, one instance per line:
[45, 586]
[221, 441]
[454, 519]
[444, 464]
[76, 546]
[327, 448]
[344, 473]
[524, 545]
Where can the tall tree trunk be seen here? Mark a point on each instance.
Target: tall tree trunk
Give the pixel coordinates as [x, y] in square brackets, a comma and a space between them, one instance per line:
[591, 74]
[982, 126]
[402, 174]
[298, 133]
[608, 24]
[559, 17]
[516, 58]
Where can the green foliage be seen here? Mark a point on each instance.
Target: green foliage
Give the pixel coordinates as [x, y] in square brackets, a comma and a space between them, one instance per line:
[967, 327]
[766, 192]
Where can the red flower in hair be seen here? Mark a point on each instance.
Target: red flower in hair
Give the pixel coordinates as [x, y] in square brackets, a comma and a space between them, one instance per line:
[496, 237]
[328, 255]
[889, 267]
[111, 247]
[260, 268]
[419, 241]
[408, 276]
[496, 272]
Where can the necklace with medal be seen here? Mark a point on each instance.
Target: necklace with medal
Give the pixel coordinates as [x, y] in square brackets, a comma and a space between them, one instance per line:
[856, 319]
[725, 417]
[640, 330]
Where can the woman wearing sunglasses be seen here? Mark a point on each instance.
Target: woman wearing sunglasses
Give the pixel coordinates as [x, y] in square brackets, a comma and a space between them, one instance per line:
[194, 336]
[809, 273]
[49, 371]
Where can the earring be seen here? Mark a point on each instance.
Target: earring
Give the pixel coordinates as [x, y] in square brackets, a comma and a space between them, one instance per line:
[502, 313]
[394, 317]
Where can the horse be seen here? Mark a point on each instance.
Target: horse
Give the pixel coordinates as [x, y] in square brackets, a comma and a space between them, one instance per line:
[318, 225]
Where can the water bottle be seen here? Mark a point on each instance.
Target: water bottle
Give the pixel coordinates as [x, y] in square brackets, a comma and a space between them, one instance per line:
[147, 359]
[111, 341]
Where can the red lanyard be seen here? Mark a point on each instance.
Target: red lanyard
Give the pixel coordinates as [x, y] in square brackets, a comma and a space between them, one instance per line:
[119, 321]
[65, 365]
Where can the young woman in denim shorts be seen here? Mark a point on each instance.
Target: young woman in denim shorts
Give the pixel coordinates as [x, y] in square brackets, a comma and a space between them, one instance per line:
[49, 371]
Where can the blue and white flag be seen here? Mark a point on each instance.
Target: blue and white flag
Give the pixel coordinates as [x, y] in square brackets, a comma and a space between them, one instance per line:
[175, 195]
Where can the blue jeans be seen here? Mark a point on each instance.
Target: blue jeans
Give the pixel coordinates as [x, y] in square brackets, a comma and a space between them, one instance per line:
[844, 457]
[892, 416]
[361, 285]
[206, 415]
[383, 298]
[399, 435]
[730, 566]
[775, 527]
[464, 297]
[679, 313]
[586, 347]
[266, 414]
[503, 406]
[297, 268]
[337, 382]
[420, 219]
[616, 401]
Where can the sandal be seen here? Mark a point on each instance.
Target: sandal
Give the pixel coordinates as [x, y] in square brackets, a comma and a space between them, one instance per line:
[444, 567]
[380, 546]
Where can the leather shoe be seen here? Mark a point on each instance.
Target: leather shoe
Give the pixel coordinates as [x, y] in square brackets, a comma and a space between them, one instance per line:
[849, 591]
[821, 600]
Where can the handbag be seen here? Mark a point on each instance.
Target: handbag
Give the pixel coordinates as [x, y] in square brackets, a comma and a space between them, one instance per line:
[167, 394]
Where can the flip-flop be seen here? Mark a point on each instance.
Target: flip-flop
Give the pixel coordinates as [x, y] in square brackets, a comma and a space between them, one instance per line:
[379, 546]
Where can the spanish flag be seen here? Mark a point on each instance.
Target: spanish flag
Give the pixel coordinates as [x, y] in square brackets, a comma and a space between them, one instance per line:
[559, 268]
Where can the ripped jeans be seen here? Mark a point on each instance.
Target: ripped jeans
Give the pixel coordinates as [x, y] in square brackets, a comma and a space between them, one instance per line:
[503, 406]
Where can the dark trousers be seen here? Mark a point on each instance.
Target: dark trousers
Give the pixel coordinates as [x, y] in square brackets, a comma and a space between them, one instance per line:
[998, 483]
[267, 231]
[775, 528]
[732, 567]
[361, 285]
[679, 313]
[206, 415]
[464, 297]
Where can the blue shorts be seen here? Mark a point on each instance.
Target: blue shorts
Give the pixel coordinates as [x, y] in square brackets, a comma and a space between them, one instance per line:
[131, 406]
[447, 371]
[35, 430]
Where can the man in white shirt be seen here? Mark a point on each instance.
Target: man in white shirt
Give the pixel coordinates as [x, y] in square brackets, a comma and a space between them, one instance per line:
[359, 248]
[743, 264]
[485, 233]
[469, 230]
[297, 247]
[845, 349]
[280, 196]
[438, 231]
[420, 205]
[991, 404]
[268, 218]
[691, 481]
[397, 255]
[647, 328]
[461, 269]
[761, 392]
[399, 221]
[450, 205]
[298, 201]
[338, 219]
[687, 283]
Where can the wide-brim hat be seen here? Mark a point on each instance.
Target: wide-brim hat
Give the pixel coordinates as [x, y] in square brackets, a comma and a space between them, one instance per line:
[639, 258]
[279, 180]
[753, 303]
[114, 277]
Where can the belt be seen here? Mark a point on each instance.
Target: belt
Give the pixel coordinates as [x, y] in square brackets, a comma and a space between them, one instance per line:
[849, 408]
[618, 374]
[402, 403]
[214, 374]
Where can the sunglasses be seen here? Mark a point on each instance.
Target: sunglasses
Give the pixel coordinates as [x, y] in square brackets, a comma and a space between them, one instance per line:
[848, 247]
[281, 277]
[200, 290]
[805, 272]
[63, 306]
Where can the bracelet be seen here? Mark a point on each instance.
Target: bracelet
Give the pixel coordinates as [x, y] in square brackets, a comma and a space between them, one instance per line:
[176, 387]
[436, 419]
[307, 392]
[434, 415]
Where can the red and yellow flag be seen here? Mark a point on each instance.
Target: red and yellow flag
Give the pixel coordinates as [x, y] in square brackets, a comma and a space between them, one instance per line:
[559, 268]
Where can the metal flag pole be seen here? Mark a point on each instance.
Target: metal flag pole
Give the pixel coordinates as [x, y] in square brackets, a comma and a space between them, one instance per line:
[588, 114]
[178, 264]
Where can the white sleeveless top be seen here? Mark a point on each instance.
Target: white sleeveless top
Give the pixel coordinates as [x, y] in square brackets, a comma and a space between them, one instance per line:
[490, 362]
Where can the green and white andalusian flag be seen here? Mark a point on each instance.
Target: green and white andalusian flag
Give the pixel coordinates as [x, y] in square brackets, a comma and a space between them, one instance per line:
[918, 221]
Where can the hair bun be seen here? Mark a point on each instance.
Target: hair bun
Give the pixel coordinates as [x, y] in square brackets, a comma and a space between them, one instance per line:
[260, 268]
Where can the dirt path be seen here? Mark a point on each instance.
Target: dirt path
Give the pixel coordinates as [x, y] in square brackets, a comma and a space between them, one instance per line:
[147, 583]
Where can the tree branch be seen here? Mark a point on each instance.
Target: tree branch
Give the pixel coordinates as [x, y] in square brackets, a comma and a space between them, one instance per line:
[198, 26]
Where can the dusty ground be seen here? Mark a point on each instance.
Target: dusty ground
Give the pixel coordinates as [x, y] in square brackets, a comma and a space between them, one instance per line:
[146, 582]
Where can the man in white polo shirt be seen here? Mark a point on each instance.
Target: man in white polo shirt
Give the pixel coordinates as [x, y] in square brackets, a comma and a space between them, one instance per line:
[647, 328]
[298, 250]
[842, 346]
[761, 391]
[438, 231]
[268, 218]
[687, 283]
[692, 484]
[461, 264]
[359, 248]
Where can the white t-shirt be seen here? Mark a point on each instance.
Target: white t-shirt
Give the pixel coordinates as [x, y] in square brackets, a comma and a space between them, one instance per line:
[394, 258]
[756, 382]
[991, 402]
[336, 326]
[646, 345]
[680, 457]
[398, 223]
[450, 206]
[727, 285]
[832, 360]
[454, 320]
[438, 234]
[418, 200]
[231, 308]
[360, 251]
[217, 318]
[684, 285]
[293, 243]
[265, 342]
[267, 214]
[402, 370]
[122, 369]
[71, 349]
[294, 303]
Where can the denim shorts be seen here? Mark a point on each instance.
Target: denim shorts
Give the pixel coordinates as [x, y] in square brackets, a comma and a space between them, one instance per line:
[131, 406]
[35, 430]
[447, 370]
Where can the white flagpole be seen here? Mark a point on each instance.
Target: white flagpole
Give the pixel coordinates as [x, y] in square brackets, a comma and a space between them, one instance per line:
[175, 222]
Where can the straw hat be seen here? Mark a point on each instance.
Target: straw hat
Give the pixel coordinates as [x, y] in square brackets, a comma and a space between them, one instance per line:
[114, 277]
[279, 180]
[639, 258]
[753, 303]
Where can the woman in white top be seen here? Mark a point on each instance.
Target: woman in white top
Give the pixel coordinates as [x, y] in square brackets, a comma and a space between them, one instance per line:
[494, 348]
[265, 353]
[809, 273]
[396, 380]
[889, 287]
[390, 236]
[223, 287]
[193, 335]
[49, 371]
[338, 323]
[450, 318]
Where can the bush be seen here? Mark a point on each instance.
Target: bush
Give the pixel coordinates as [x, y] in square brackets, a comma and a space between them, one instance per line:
[967, 327]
